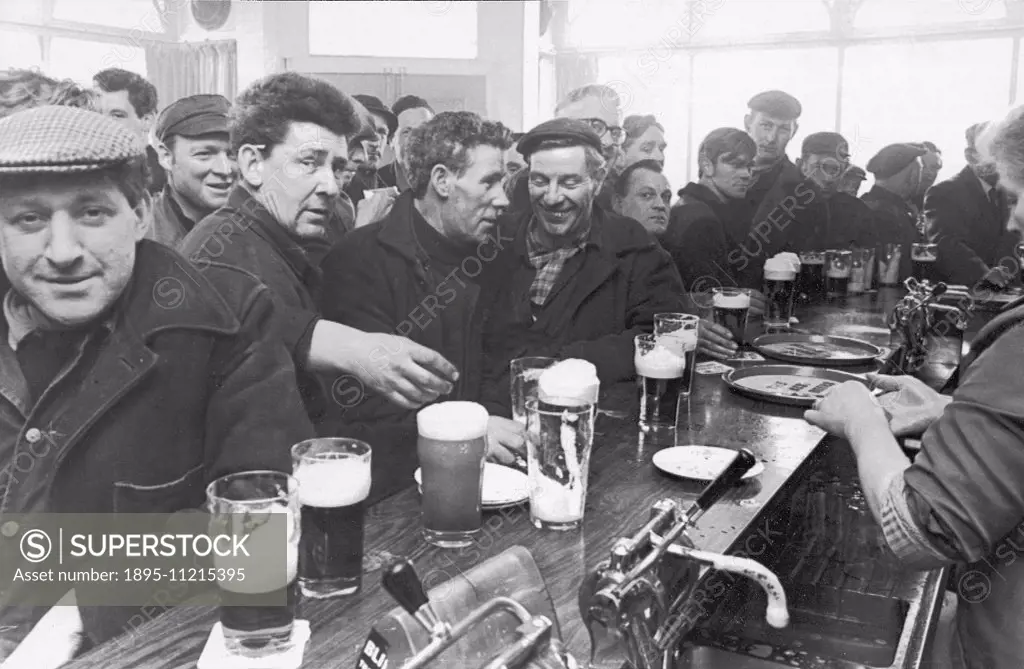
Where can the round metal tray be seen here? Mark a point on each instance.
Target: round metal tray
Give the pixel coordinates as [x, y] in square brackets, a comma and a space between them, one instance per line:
[813, 349]
[811, 378]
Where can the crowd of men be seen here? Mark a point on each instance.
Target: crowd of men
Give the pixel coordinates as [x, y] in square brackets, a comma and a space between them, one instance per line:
[193, 287]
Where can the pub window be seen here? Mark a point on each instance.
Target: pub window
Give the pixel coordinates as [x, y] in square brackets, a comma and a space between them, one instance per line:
[20, 49]
[909, 13]
[135, 15]
[756, 18]
[81, 59]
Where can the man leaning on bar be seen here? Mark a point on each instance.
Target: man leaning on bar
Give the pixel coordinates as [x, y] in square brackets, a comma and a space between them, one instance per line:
[126, 379]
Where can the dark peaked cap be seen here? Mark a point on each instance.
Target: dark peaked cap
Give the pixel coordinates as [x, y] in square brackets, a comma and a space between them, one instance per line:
[893, 159]
[375, 106]
[559, 128]
[826, 144]
[193, 116]
[63, 139]
[776, 103]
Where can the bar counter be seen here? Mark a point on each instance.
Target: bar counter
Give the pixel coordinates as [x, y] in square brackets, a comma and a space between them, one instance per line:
[623, 486]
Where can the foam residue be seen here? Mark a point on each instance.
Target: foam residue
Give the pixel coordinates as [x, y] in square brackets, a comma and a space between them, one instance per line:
[659, 363]
[452, 421]
[333, 483]
[569, 383]
[782, 267]
[738, 301]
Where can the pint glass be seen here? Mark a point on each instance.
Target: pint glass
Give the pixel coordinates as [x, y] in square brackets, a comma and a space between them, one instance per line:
[452, 445]
[661, 373]
[681, 333]
[837, 273]
[922, 258]
[257, 613]
[858, 266]
[889, 264]
[779, 287]
[729, 308]
[812, 275]
[524, 374]
[334, 482]
[558, 442]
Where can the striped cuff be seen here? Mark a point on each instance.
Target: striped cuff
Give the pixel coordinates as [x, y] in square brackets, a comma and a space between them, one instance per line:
[906, 540]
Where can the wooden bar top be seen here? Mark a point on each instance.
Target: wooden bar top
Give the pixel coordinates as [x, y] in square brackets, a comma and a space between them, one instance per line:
[623, 486]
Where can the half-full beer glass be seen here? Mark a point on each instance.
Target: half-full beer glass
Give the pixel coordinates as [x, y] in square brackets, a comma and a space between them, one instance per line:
[334, 482]
[889, 264]
[661, 373]
[729, 308]
[558, 442]
[257, 612]
[452, 445]
[812, 275]
[922, 258]
[524, 374]
[681, 332]
[858, 267]
[837, 272]
[779, 288]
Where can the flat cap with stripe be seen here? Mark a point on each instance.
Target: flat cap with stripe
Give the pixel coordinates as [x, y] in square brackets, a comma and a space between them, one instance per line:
[63, 139]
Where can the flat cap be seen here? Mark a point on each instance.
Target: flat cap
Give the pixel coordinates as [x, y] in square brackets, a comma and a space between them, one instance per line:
[779, 104]
[855, 172]
[63, 139]
[578, 131]
[826, 143]
[378, 108]
[193, 116]
[892, 159]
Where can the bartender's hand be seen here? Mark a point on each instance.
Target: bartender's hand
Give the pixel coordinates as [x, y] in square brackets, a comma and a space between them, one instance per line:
[506, 440]
[715, 341]
[846, 405]
[910, 404]
[376, 207]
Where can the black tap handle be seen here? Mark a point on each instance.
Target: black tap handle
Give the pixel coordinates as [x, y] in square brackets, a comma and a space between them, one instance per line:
[939, 289]
[402, 583]
[729, 477]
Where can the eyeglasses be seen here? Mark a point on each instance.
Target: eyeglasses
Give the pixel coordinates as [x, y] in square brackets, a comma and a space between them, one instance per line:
[600, 127]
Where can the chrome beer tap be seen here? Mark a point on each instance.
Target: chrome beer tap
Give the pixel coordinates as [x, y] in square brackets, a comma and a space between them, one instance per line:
[916, 319]
[535, 646]
[636, 604]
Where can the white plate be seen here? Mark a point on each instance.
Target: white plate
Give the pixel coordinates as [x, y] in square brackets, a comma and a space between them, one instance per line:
[503, 486]
[702, 463]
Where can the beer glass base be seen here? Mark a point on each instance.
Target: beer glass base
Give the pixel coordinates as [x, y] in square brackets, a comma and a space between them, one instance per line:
[257, 644]
[449, 539]
[328, 588]
[561, 526]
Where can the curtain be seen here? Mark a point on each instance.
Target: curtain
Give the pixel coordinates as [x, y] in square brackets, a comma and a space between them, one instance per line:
[190, 68]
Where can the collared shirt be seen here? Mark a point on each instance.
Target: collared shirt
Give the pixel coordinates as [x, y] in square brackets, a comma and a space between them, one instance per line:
[548, 263]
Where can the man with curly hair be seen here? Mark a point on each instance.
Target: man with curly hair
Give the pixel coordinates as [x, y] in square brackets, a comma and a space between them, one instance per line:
[24, 89]
[417, 273]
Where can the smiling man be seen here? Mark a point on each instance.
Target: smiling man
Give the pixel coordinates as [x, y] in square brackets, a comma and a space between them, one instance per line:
[287, 131]
[417, 273]
[573, 280]
[196, 156]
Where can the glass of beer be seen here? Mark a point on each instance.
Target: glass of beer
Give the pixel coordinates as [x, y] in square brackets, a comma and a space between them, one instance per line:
[812, 275]
[681, 333]
[559, 439]
[334, 482]
[729, 308]
[661, 373]
[524, 373]
[452, 445]
[257, 612]
[857, 268]
[837, 272]
[870, 263]
[922, 258]
[889, 264]
[779, 288]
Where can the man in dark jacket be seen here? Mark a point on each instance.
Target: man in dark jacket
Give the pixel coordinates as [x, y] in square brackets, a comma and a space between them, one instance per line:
[131, 99]
[897, 169]
[127, 382]
[966, 216]
[417, 274]
[772, 121]
[574, 280]
[411, 111]
[286, 131]
[384, 124]
[195, 153]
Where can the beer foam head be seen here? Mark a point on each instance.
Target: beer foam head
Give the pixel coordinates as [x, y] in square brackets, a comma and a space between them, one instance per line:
[737, 301]
[782, 267]
[659, 363]
[569, 382]
[334, 482]
[452, 421]
[812, 258]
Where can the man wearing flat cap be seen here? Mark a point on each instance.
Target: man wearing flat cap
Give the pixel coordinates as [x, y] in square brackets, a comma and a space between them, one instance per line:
[192, 142]
[383, 123]
[127, 381]
[811, 214]
[897, 171]
[851, 180]
[573, 280]
[772, 120]
[967, 216]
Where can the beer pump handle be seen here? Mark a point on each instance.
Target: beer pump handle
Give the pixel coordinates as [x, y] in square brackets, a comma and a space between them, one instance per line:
[729, 477]
[402, 583]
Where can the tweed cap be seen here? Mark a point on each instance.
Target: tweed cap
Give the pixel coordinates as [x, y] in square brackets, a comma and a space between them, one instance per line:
[378, 108]
[893, 159]
[559, 128]
[777, 104]
[63, 139]
[193, 116]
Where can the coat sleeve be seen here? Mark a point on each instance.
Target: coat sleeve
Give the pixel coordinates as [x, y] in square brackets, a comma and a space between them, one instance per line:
[653, 287]
[947, 221]
[700, 251]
